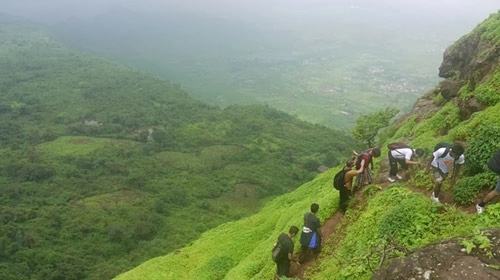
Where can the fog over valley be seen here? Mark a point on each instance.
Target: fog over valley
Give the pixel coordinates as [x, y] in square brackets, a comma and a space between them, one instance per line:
[324, 61]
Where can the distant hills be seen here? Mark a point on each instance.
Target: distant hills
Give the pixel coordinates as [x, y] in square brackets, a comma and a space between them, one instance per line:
[103, 167]
[323, 71]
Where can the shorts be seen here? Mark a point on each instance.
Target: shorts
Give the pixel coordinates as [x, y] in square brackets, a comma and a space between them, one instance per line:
[439, 176]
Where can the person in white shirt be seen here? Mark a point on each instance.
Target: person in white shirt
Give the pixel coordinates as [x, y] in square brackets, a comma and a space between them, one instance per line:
[404, 157]
[442, 160]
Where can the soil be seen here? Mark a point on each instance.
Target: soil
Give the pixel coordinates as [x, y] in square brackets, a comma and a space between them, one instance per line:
[445, 260]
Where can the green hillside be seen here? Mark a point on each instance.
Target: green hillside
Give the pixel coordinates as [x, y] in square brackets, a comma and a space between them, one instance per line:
[387, 221]
[103, 167]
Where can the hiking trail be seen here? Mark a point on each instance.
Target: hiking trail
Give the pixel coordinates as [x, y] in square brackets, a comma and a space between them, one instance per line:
[331, 224]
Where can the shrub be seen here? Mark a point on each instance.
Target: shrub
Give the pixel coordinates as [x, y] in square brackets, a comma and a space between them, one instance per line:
[482, 145]
[467, 188]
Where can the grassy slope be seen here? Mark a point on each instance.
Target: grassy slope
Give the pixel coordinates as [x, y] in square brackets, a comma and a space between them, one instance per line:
[241, 249]
[392, 216]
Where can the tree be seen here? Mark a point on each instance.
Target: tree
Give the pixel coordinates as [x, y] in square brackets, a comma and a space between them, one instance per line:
[368, 126]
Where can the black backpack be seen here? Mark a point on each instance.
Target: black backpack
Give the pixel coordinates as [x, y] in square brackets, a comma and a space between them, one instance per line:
[339, 179]
[443, 145]
[276, 252]
[494, 163]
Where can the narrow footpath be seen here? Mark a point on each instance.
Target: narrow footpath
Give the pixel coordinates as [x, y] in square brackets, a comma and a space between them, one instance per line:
[330, 225]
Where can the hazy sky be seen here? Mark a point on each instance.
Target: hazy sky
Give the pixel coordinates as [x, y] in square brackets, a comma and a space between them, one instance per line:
[248, 10]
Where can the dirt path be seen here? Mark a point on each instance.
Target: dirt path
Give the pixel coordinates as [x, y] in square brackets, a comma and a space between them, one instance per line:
[330, 225]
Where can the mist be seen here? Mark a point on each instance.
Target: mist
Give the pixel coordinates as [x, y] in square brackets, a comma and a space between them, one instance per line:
[324, 61]
[280, 12]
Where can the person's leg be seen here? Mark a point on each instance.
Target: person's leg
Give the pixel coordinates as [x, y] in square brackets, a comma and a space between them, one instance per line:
[286, 268]
[393, 165]
[344, 195]
[438, 182]
[359, 182]
[369, 177]
[495, 192]
[303, 254]
[283, 268]
[404, 167]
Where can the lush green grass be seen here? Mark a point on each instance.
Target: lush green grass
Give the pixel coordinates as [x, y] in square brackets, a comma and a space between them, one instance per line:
[241, 249]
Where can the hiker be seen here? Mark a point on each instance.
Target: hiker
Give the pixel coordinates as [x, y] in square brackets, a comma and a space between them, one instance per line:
[285, 254]
[442, 160]
[494, 165]
[403, 155]
[365, 160]
[345, 185]
[310, 237]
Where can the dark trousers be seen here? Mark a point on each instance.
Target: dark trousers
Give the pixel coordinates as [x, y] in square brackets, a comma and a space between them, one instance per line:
[393, 162]
[305, 253]
[344, 195]
[283, 268]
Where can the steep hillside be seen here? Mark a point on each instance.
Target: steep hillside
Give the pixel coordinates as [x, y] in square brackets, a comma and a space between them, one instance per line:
[386, 222]
[103, 167]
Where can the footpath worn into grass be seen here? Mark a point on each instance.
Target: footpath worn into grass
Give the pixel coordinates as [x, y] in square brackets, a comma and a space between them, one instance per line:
[334, 225]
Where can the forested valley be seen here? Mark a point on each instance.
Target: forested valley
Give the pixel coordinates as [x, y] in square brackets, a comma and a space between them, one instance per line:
[103, 167]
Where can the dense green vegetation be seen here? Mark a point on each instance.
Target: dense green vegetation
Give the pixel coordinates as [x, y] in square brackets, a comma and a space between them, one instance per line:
[102, 167]
[387, 222]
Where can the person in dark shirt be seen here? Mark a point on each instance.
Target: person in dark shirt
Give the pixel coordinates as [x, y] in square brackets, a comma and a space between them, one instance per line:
[287, 246]
[310, 237]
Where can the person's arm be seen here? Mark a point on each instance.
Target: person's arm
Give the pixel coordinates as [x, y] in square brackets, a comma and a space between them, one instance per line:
[409, 161]
[319, 230]
[428, 168]
[362, 163]
[361, 168]
[454, 175]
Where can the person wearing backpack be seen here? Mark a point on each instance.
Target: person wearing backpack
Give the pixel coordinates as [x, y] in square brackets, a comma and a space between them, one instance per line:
[283, 252]
[365, 160]
[310, 237]
[493, 165]
[343, 182]
[401, 154]
[444, 158]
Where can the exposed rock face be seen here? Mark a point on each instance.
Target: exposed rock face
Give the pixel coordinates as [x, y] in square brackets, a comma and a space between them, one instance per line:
[470, 61]
[447, 260]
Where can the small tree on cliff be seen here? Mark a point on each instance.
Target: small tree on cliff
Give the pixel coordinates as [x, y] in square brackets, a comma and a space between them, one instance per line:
[368, 126]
